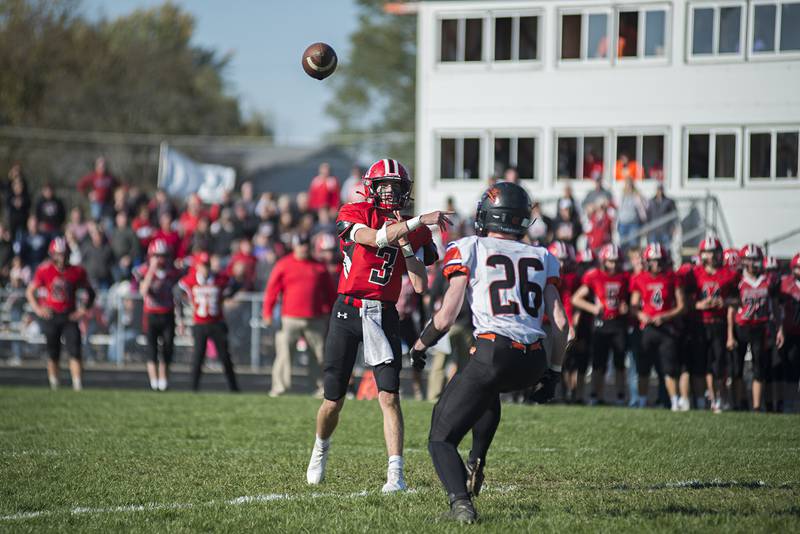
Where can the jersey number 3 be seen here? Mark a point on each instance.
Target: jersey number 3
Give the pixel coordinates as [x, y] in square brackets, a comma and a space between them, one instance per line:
[530, 303]
[384, 274]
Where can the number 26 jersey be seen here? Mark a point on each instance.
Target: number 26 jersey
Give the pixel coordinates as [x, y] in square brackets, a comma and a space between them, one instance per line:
[506, 284]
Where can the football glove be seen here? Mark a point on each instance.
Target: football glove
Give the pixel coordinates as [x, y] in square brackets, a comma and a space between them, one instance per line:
[418, 358]
[545, 390]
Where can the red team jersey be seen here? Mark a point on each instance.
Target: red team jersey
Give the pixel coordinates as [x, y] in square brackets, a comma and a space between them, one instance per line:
[610, 290]
[754, 300]
[567, 287]
[60, 286]
[720, 284]
[790, 294]
[159, 299]
[371, 273]
[206, 296]
[657, 291]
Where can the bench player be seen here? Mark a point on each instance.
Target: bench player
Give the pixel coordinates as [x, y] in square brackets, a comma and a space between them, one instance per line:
[510, 286]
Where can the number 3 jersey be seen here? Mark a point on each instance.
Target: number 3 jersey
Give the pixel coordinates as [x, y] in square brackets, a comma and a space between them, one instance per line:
[506, 284]
[372, 273]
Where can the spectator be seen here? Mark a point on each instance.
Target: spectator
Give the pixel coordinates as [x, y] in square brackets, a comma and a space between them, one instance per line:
[567, 224]
[627, 168]
[511, 174]
[540, 230]
[187, 223]
[125, 246]
[77, 225]
[223, 232]
[18, 207]
[166, 232]
[97, 257]
[100, 185]
[353, 188]
[592, 166]
[162, 204]
[661, 206]
[50, 211]
[242, 266]
[121, 201]
[248, 198]
[6, 254]
[33, 245]
[632, 212]
[201, 238]
[598, 193]
[601, 225]
[245, 224]
[143, 227]
[308, 293]
[324, 189]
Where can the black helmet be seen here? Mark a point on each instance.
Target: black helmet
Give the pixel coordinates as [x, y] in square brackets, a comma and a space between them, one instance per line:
[504, 207]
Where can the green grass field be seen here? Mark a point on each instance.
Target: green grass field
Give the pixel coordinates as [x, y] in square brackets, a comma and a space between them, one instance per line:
[136, 461]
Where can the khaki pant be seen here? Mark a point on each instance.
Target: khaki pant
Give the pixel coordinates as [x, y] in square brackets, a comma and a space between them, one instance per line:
[292, 328]
[460, 342]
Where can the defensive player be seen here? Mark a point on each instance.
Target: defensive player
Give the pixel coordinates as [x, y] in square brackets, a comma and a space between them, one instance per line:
[790, 352]
[157, 280]
[207, 291]
[756, 304]
[712, 286]
[510, 286]
[657, 297]
[373, 235]
[609, 285]
[58, 309]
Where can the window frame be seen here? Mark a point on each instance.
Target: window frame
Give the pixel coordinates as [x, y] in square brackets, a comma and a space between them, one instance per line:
[585, 12]
[771, 180]
[459, 136]
[642, 10]
[461, 37]
[581, 134]
[516, 134]
[715, 56]
[776, 53]
[640, 133]
[712, 181]
[515, 15]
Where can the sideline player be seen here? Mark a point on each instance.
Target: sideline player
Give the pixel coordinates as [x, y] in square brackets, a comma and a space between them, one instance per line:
[657, 296]
[157, 280]
[373, 234]
[790, 352]
[510, 286]
[609, 285]
[58, 310]
[575, 361]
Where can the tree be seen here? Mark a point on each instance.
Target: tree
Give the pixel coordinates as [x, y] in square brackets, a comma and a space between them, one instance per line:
[375, 91]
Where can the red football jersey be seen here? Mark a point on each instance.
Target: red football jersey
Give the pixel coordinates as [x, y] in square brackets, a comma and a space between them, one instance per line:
[60, 285]
[754, 300]
[657, 291]
[206, 296]
[159, 298]
[610, 290]
[368, 272]
[790, 294]
[722, 283]
[568, 286]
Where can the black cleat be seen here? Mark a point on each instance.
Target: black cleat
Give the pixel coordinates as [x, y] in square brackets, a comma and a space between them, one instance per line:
[474, 477]
[463, 511]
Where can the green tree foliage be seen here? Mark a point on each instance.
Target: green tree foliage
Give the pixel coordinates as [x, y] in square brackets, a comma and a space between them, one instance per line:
[375, 89]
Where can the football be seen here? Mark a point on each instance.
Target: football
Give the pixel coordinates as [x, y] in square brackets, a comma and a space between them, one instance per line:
[319, 61]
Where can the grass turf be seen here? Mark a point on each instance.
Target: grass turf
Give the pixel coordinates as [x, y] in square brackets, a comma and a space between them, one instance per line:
[104, 461]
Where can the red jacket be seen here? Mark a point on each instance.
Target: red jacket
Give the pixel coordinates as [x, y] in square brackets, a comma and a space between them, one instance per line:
[306, 286]
[102, 186]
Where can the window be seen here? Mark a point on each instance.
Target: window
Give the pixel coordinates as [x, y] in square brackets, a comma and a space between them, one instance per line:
[640, 156]
[585, 36]
[775, 28]
[515, 151]
[712, 155]
[580, 156]
[516, 38]
[461, 40]
[459, 158]
[642, 33]
[716, 29]
[772, 154]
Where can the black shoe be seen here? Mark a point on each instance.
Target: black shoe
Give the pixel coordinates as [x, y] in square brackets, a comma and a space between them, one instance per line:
[474, 477]
[461, 510]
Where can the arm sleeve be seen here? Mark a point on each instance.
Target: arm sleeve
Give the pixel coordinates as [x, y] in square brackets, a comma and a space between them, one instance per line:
[552, 268]
[274, 288]
[459, 259]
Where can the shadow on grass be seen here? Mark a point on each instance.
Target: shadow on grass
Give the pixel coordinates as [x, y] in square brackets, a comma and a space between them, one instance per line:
[699, 484]
[696, 511]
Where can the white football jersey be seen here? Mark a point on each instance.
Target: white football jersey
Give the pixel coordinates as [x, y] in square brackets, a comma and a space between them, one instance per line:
[506, 284]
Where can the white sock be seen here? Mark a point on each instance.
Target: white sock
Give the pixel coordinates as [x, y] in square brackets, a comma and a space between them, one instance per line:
[76, 384]
[154, 384]
[674, 400]
[162, 384]
[322, 443]
[396, 463]
[53, 379]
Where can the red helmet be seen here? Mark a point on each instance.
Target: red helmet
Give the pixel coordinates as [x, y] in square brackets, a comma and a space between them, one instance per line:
[710, 244]
[770, 263]
[751, 251]
[562, 251]
[655, 252]
[586, 256]
[158, 247]
[795, 261]
[57, 246]
[731, 258]
[609, 252]
[388, 170]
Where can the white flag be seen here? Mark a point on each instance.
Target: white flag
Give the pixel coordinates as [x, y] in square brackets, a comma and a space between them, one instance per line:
[181, 176]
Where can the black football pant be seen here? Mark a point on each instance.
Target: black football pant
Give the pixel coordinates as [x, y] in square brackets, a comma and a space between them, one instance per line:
[218, 333]
[161, 325]
[754, 336]
[471, 401]
[54, 328]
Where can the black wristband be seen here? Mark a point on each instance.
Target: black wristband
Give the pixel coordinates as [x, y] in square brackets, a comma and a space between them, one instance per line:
[430, 335]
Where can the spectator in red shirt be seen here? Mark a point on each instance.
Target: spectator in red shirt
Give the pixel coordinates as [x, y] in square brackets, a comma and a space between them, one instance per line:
[189, 218]
[323, 193]
[242, 266]
[308, 293]
[143, 227]
[172, 238]
[100, 185]
[601, 219]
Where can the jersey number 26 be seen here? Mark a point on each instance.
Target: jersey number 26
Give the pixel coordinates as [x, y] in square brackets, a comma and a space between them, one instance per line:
[531, 291]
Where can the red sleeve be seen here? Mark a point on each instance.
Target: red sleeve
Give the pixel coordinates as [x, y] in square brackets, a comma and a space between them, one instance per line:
[38, 277]
[349, 215]
[588, 278]
[274, 288]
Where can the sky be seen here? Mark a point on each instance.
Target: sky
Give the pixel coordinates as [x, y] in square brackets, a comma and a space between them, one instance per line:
[267, 38]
